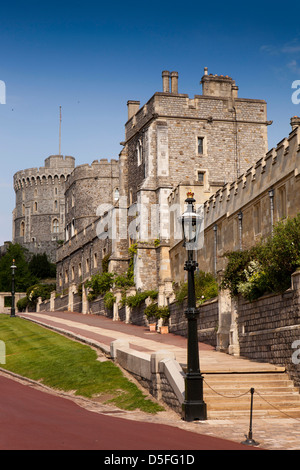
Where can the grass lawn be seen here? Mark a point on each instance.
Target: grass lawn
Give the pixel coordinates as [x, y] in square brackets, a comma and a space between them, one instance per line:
[60, 363]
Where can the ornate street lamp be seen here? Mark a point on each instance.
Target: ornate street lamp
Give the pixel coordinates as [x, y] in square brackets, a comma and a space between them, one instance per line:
[13, 310]
[193, 407]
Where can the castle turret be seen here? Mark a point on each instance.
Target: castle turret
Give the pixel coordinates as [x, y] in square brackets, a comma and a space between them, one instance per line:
[39, 215]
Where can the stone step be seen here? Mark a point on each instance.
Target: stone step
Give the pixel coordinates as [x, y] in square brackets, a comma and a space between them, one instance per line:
[247, 377]
[293, 413]
[236, 391]
[229, 395]
[258, 402]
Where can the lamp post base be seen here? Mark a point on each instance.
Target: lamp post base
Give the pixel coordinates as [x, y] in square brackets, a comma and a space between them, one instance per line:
[194, 411]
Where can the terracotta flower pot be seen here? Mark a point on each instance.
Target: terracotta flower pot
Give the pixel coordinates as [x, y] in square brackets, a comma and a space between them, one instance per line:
[164, 329]
[152, 326]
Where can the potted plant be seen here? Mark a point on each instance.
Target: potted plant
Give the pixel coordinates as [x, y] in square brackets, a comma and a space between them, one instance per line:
[164, 314]
[151, 314]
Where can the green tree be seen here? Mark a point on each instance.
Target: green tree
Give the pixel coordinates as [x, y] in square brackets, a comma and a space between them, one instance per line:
[41, 267]
[23, 277]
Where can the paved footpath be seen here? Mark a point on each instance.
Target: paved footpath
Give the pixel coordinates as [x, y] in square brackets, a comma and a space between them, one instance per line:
[100, 331]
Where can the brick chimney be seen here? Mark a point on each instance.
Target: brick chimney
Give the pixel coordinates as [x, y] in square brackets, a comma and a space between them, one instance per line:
[133, 107]
[174, 82]
[218, 85]
[295, 122]
[166, 81]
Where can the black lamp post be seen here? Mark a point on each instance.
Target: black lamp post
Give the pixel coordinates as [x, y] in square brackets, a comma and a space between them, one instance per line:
[13, 310]
[194, 408]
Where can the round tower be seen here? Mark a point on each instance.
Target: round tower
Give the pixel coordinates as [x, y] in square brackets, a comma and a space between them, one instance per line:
[39, 215]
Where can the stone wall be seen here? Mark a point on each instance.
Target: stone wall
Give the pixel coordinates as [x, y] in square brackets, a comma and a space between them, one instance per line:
[207, 323]
[87, 188]
[159, 373]
[268, 327]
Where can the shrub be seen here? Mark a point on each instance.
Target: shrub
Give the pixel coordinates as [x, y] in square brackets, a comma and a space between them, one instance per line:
[163, 313]
[22, 304]
[235, 274]
[268, 266]
[39, 290]
[99, 284]
[109, 300]
[206, 288]
[256, 282]
[137, 299]
[151, 311]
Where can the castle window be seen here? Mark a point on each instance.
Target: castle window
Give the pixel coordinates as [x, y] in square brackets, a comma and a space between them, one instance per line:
[200, 177]
[55, 205]
[200, 145]
[95, 260]
[73, 228]
[66, 277]
[55, 226]
[116, 194]
[87, 265]
[22, 229]
[73, 273]
[139, 152]
[35, 207]
[257, 219]
[79, 270]
[23, 209]
[281, 209]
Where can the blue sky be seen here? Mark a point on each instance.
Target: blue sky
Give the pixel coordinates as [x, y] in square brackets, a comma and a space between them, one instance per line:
[91, 57]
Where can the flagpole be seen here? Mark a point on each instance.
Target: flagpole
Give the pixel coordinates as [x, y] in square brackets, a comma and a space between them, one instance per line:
[59, 130]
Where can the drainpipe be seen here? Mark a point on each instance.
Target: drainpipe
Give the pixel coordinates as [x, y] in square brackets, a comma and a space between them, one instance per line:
[271, 196]
[215, 248]
[240, 217]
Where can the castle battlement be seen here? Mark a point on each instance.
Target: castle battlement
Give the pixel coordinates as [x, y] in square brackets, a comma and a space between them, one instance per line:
[56, 167]
[102, 168]
[276, 165]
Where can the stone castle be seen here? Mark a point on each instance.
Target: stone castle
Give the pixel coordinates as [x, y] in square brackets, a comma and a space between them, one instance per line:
[214, 144]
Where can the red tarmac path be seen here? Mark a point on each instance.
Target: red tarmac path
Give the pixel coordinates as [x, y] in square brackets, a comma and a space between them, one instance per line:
[31, 419]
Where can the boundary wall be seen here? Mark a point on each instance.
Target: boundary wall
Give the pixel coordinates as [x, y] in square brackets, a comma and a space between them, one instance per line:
[158, 372]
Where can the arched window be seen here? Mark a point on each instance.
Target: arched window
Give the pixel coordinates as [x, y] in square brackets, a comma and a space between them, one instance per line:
[139, 152]
[55, 226]
[22, 229]
[116, 194]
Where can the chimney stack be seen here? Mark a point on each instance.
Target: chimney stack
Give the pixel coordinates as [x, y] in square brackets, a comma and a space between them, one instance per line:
[133, 107]
[174, 82]
[295, 122]
[166, 81]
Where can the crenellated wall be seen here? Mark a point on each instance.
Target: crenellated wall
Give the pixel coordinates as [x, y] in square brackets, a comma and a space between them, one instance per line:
[244, 211]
